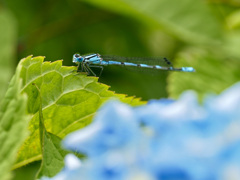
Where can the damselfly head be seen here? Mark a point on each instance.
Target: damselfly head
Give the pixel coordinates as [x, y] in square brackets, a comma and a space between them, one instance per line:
[77, 58]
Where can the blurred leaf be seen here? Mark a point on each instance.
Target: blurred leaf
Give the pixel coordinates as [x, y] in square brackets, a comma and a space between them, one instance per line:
[52, 152]
[213, 74]
[7, 47]
[232, 44]
[233, 20]
[13, 124]
[69, 101]
[234, 3]
[191, 21]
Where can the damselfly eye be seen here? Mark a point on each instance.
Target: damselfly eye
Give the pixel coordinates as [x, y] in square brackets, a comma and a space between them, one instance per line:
[77, 55]
[77, 58]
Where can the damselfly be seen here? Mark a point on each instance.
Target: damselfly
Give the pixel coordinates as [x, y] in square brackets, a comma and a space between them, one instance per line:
[95, 60]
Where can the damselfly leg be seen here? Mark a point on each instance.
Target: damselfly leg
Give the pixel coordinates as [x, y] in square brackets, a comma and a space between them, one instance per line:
[100, 67]
[89, 69]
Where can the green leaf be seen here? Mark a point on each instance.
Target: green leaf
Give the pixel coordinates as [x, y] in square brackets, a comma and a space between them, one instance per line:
[53, 155]
[69, 101]
[213, 73]
[191, 21]
[13, 125]
[52, 152]
[7, 48]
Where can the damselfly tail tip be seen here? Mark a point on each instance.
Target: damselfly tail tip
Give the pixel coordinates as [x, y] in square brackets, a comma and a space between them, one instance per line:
[188, 69]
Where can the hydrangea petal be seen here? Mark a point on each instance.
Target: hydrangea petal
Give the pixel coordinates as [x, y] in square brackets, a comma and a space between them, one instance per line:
[114, 126]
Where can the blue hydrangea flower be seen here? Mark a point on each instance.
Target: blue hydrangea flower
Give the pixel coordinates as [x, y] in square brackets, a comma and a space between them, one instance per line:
[115, 126]
[163, 140]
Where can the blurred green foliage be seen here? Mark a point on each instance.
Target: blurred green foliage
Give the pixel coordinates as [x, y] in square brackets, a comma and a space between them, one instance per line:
[8, 39]
[13, 124]
[202, 34]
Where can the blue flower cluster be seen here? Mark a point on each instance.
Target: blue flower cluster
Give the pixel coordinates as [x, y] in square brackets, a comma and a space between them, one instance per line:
[163, 140]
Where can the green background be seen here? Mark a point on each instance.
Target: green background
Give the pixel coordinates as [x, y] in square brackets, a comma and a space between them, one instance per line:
[201, 34]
